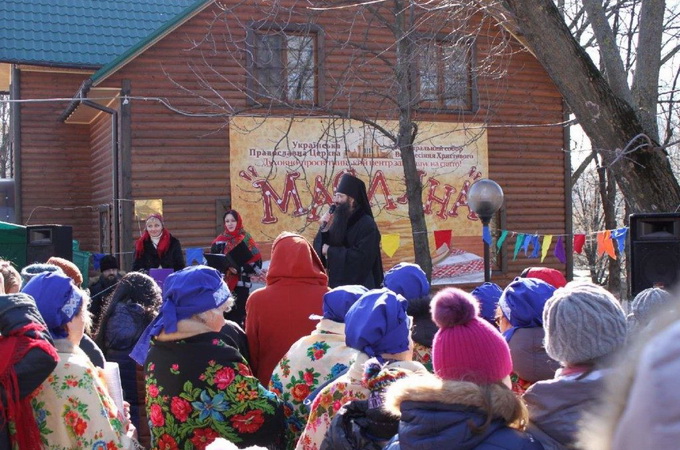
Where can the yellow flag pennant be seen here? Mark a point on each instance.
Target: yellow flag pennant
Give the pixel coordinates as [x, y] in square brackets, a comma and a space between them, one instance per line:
[547, 240]
[390, 243]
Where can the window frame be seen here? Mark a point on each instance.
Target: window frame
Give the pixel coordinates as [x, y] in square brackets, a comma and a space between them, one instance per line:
[440, 104]
[255, 94]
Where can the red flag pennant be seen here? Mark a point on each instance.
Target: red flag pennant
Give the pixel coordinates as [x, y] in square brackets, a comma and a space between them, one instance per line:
[442, 237]
[579, 242]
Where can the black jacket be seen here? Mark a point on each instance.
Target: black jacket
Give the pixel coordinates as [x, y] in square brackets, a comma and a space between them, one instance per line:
[173, 258]
[358, 261]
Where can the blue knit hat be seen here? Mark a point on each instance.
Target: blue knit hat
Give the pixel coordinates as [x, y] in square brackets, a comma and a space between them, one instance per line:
[190, 291]
[522, 303]
[407, 280]
[57, 298]
[488, 295]
[337, 301]
[377, 323]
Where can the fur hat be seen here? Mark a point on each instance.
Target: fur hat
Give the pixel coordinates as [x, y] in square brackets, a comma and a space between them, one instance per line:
[466, 347]
[377, 323]
[407, 280]
[108, 262]
[57, 298]
[583, 323]
[648, 303]
[551, 276]
[71, 270]
[339, 300]
[488, 295]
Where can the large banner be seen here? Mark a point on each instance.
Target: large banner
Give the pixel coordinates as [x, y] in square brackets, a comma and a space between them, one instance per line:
[284, 170]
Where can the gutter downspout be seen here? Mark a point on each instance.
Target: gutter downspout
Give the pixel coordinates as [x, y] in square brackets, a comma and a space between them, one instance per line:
[15, 129]
[568, 205]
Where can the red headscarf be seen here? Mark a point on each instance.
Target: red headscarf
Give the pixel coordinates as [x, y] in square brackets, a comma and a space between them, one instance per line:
[13, 347]
[232, 239]
[163, 244]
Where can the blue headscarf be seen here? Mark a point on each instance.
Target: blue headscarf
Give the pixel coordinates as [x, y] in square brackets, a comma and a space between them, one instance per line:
[190, 291]
[407, 280]
[522, 303]
[337, 301]
[57, 299]
[488, 295]
[377, 323]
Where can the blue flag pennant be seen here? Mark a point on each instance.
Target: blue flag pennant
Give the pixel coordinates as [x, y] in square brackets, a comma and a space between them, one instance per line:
[486, 234]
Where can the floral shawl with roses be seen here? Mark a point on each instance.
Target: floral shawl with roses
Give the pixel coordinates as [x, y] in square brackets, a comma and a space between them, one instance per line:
[310, 362]
[346, 388]
[201, 388]
[73, 408]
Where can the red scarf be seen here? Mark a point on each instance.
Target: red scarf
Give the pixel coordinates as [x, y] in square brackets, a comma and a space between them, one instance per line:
[13, 348]
[163, 244]
[231, 240]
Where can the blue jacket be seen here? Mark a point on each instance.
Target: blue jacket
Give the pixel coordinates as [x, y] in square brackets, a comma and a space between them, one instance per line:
[437, 414]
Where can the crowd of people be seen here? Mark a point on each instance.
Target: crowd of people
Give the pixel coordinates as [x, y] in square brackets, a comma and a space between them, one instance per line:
[330, 354]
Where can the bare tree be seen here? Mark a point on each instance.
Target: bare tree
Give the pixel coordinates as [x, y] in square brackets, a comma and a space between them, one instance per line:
[620, 119]
[5, 148]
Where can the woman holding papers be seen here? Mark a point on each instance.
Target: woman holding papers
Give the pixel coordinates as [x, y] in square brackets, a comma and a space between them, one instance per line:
[157, 248]
[239, 244]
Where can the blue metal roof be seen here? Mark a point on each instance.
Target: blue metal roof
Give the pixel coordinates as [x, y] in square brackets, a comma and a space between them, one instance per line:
[81, 33]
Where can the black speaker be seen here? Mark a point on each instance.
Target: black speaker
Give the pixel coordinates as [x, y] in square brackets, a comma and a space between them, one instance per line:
[654, 250]
[45, 241]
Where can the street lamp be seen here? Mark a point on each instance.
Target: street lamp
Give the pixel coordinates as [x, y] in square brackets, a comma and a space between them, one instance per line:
[485, 197]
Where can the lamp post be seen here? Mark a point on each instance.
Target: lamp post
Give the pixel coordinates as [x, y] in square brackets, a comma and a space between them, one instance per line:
[485, 197]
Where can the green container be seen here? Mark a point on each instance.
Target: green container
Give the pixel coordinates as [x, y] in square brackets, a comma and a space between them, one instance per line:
[13, 243]
[82, 260]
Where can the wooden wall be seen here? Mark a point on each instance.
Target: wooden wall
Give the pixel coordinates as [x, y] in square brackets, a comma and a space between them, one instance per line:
[185, 160]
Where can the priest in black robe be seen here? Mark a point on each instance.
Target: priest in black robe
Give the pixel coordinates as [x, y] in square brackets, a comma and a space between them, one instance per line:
[348, 241]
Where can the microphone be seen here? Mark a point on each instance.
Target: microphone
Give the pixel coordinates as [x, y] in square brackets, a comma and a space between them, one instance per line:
[324, 224]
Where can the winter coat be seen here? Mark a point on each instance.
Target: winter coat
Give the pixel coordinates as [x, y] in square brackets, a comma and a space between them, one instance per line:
[358, 427]
[123, 327]
[556, 406]
[277, 315]
[238, 337]
[17, 311]
[345, 388]
[358, 261]
[199, 388]
[172, 259]
[423, 330]
[530, 362]
[437, 414]
[310, 362]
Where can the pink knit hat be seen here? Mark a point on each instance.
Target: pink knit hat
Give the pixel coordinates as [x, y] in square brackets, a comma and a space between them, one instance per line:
[466, 347]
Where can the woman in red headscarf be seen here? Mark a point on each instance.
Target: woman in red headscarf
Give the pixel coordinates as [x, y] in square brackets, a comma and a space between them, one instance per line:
[157, 248]
[238, 279]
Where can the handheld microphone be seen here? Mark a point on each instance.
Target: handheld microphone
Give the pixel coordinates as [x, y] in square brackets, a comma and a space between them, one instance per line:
[331, 210]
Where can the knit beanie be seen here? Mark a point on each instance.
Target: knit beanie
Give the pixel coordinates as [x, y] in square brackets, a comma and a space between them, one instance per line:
[648, 303]
[488, 295]
[466, 347]
[551, 276]
[377, 323]
[583, 323]
[337, 301]
[407, 280]
[31, 270]
[57, 298]
[108, 262]
[71, 270]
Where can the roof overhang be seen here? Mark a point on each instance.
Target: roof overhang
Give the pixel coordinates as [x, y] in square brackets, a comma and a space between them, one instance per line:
[114, 66]
[83, 114]
[5, 75]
